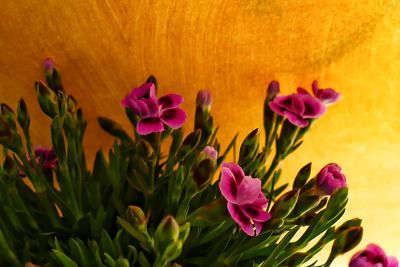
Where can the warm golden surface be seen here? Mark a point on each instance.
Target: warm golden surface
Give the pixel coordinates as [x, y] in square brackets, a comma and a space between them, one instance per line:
[233, 48]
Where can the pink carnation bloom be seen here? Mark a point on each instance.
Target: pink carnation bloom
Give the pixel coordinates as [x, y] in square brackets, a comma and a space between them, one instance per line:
[246, 202]
[154, 112]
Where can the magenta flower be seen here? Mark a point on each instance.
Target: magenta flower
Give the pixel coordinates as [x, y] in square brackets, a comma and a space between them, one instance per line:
[373, 256]
[297, 108]
[330, 178]
[154, 112]
[210, 152]
[246, 202]
[44, 157]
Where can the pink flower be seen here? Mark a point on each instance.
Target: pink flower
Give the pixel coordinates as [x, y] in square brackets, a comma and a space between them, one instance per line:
[204, 99]
[246, 202]
[373, 256]
[154, 112]
[297, 108]
[330, 178]
[44, 157]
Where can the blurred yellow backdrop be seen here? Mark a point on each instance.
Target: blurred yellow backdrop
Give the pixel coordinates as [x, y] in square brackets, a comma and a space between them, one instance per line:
[233, 48]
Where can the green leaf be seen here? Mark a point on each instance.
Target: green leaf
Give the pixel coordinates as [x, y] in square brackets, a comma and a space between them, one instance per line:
[63, 259]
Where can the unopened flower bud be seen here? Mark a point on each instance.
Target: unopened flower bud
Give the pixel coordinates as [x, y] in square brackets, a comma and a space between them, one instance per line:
[22, 115]
[203, 173]
[210, 153]
[204, 99]
[189, 143]
[145, 149]
[48, 100]
[285, 204]
[167, 232]
[347, 240]
[330, 179]
[53, 77]
[249, 147]
[347, 224]
[273, 89]
[136, 217]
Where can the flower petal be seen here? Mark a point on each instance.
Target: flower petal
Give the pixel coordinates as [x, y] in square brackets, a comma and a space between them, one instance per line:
[149, 125]
[227, 185]
[255, 213]
[296, 119]
[235, 169]
[173, 117]
[261, 201]
[240, 218]
[313, 108]
[392, 262]
[146, 90]
[258, 226]
[248, 190]
[170, 101]
[297, 105]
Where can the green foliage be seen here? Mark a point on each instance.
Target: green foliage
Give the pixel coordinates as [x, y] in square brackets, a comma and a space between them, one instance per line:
[137, 206]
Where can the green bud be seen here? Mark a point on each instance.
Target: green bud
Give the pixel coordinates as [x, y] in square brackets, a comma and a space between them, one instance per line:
[8, 138]
[48, 99]
[172, 251]
[53, 77]
[72, 105]
[167, 232]
[113, 128]
[136, 217]
[189, 143]
[145, 149]
[346, 225]
[302, 176]
[203, 173]
[22, 115]
[285, 204]
[249, 147]
[9, 116]
[347, 240]
[69, 125]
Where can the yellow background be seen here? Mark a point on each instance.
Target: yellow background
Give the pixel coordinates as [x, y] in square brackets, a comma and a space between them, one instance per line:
[233, 48]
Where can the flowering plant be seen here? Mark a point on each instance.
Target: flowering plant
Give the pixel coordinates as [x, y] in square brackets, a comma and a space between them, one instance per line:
[156, 203]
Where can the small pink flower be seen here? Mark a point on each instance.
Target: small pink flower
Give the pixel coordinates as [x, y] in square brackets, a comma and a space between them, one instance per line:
[154, 112]
[246, 202]
[298, 108]
[373, 256]
[44, 157]
[330, 178]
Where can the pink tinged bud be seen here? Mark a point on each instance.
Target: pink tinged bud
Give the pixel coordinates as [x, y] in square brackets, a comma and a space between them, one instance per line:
[330, 178]
[273, 89]
[210, 152]
[204, 99]
[373, 255]
[48, 65]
